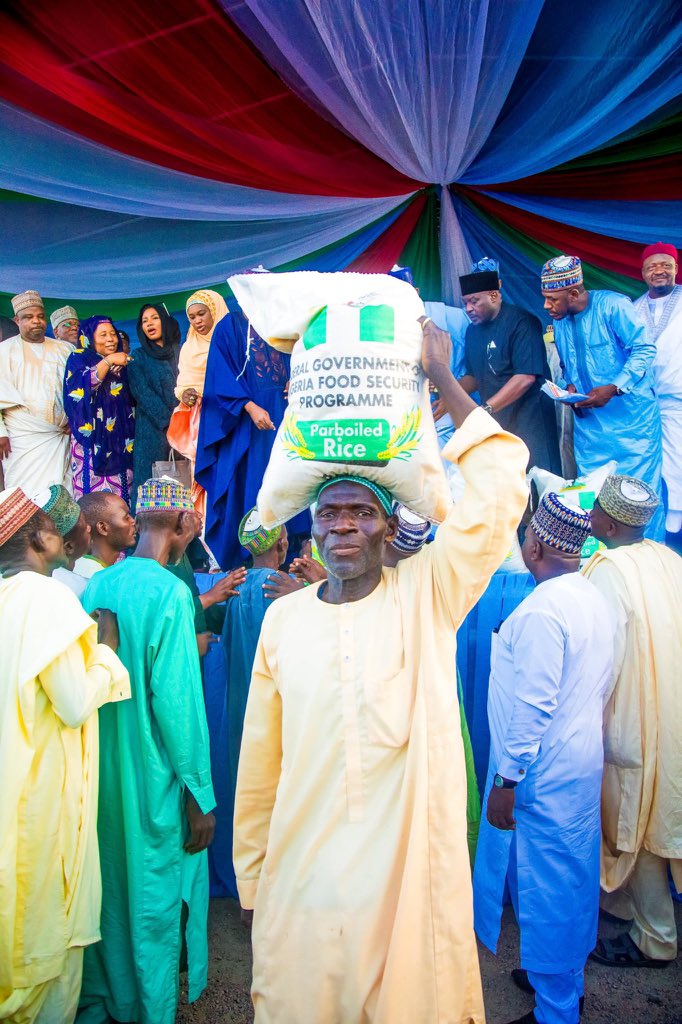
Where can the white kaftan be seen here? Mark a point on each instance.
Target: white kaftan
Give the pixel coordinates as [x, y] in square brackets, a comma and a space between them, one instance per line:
[32, 413]
[350, 816]
[663, 319]
[551, 670]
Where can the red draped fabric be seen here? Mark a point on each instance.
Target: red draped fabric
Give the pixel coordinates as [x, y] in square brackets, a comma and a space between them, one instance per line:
[601, 250]
[385, 251]
[176, 84]
[658, 178]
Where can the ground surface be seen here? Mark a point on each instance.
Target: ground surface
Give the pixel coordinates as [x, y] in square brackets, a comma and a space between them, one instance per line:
[614, 996]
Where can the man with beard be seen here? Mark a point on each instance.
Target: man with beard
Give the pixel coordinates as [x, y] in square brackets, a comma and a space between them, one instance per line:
[506, 362]
[350, 813]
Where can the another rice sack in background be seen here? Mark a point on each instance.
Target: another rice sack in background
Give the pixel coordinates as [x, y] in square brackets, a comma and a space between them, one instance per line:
[358, 400]
[581, 493]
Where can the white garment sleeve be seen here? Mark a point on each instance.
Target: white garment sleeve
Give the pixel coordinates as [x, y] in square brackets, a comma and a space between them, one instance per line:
[76, 687]
[538, 643]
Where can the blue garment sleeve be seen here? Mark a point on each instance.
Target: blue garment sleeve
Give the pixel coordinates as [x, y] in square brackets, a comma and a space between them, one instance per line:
[632, 337]
[537, 646]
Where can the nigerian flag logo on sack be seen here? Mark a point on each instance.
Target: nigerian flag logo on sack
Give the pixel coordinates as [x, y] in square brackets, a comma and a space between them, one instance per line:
[342, 369]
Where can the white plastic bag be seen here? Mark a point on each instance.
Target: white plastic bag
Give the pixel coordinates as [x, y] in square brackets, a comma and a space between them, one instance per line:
[357, 396]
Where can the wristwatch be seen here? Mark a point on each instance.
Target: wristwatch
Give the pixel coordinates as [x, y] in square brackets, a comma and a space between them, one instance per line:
[501, 783]
[488, 408]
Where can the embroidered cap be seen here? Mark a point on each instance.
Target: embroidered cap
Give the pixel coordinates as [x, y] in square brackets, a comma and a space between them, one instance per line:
[60, 507]
[62, 314]
[413, 530]
[24, 300]
[16, 508]
[164, 495]
[628, 500]
[559, 526]
[254, 537]
[561, 272]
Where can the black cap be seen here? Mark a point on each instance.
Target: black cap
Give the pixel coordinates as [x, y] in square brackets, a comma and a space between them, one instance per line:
[481, 281]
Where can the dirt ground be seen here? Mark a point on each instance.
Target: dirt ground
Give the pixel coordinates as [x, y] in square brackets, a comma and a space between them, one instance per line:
[613, 996]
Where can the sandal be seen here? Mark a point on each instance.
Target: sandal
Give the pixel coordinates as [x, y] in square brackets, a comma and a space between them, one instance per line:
[622, 952]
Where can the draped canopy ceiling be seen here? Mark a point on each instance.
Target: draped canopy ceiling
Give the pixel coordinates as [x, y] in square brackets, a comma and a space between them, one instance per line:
[149, 149]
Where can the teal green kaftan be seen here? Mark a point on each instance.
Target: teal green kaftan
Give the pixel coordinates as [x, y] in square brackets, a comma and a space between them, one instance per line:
[149, 753]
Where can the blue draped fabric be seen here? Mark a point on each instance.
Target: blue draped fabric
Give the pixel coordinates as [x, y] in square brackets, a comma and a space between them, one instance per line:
[636, 222]
[73, 251]
[520, 274]
[589, 74]
[355, 64]
[507, 90]
[232, 453]
[89, 175]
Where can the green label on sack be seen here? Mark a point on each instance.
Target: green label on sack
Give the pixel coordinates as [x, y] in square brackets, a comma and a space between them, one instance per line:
[360, 441]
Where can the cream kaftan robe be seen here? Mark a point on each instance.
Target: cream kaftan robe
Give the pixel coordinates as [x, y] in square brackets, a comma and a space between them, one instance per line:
[642, 787]
[32, 413]
[54, 676]
[350, 817]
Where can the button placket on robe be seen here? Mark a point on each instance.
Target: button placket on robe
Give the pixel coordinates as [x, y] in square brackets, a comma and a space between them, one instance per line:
[351, 725]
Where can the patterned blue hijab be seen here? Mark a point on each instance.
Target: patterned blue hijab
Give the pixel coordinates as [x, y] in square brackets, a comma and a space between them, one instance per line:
[100, 415]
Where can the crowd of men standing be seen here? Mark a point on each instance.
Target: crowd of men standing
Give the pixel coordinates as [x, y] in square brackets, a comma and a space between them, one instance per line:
[350, 748]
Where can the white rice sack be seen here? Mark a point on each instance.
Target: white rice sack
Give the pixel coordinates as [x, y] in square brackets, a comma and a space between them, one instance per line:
[358, 402]
[588, 486]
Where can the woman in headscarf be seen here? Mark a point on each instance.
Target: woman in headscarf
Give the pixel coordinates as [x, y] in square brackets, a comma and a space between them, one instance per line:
[204, 309]
[99, 407]
[153, 376]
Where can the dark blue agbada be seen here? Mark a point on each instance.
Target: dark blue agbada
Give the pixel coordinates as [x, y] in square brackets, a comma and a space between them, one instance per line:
[231, 452]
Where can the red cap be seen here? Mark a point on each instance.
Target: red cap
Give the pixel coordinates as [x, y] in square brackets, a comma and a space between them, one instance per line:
[659, 248]
[15, 510]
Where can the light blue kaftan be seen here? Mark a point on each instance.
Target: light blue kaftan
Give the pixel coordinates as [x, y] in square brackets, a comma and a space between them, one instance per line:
[227, 674]
[607, 344]
[550, 672]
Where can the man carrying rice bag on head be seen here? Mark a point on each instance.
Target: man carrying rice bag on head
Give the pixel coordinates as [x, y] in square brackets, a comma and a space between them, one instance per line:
[350, 817]
[358, 396]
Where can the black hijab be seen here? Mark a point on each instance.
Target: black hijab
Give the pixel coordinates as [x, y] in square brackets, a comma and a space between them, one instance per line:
[170, 332]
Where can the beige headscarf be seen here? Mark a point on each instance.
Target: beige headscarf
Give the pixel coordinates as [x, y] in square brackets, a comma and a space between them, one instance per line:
[194, 353]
